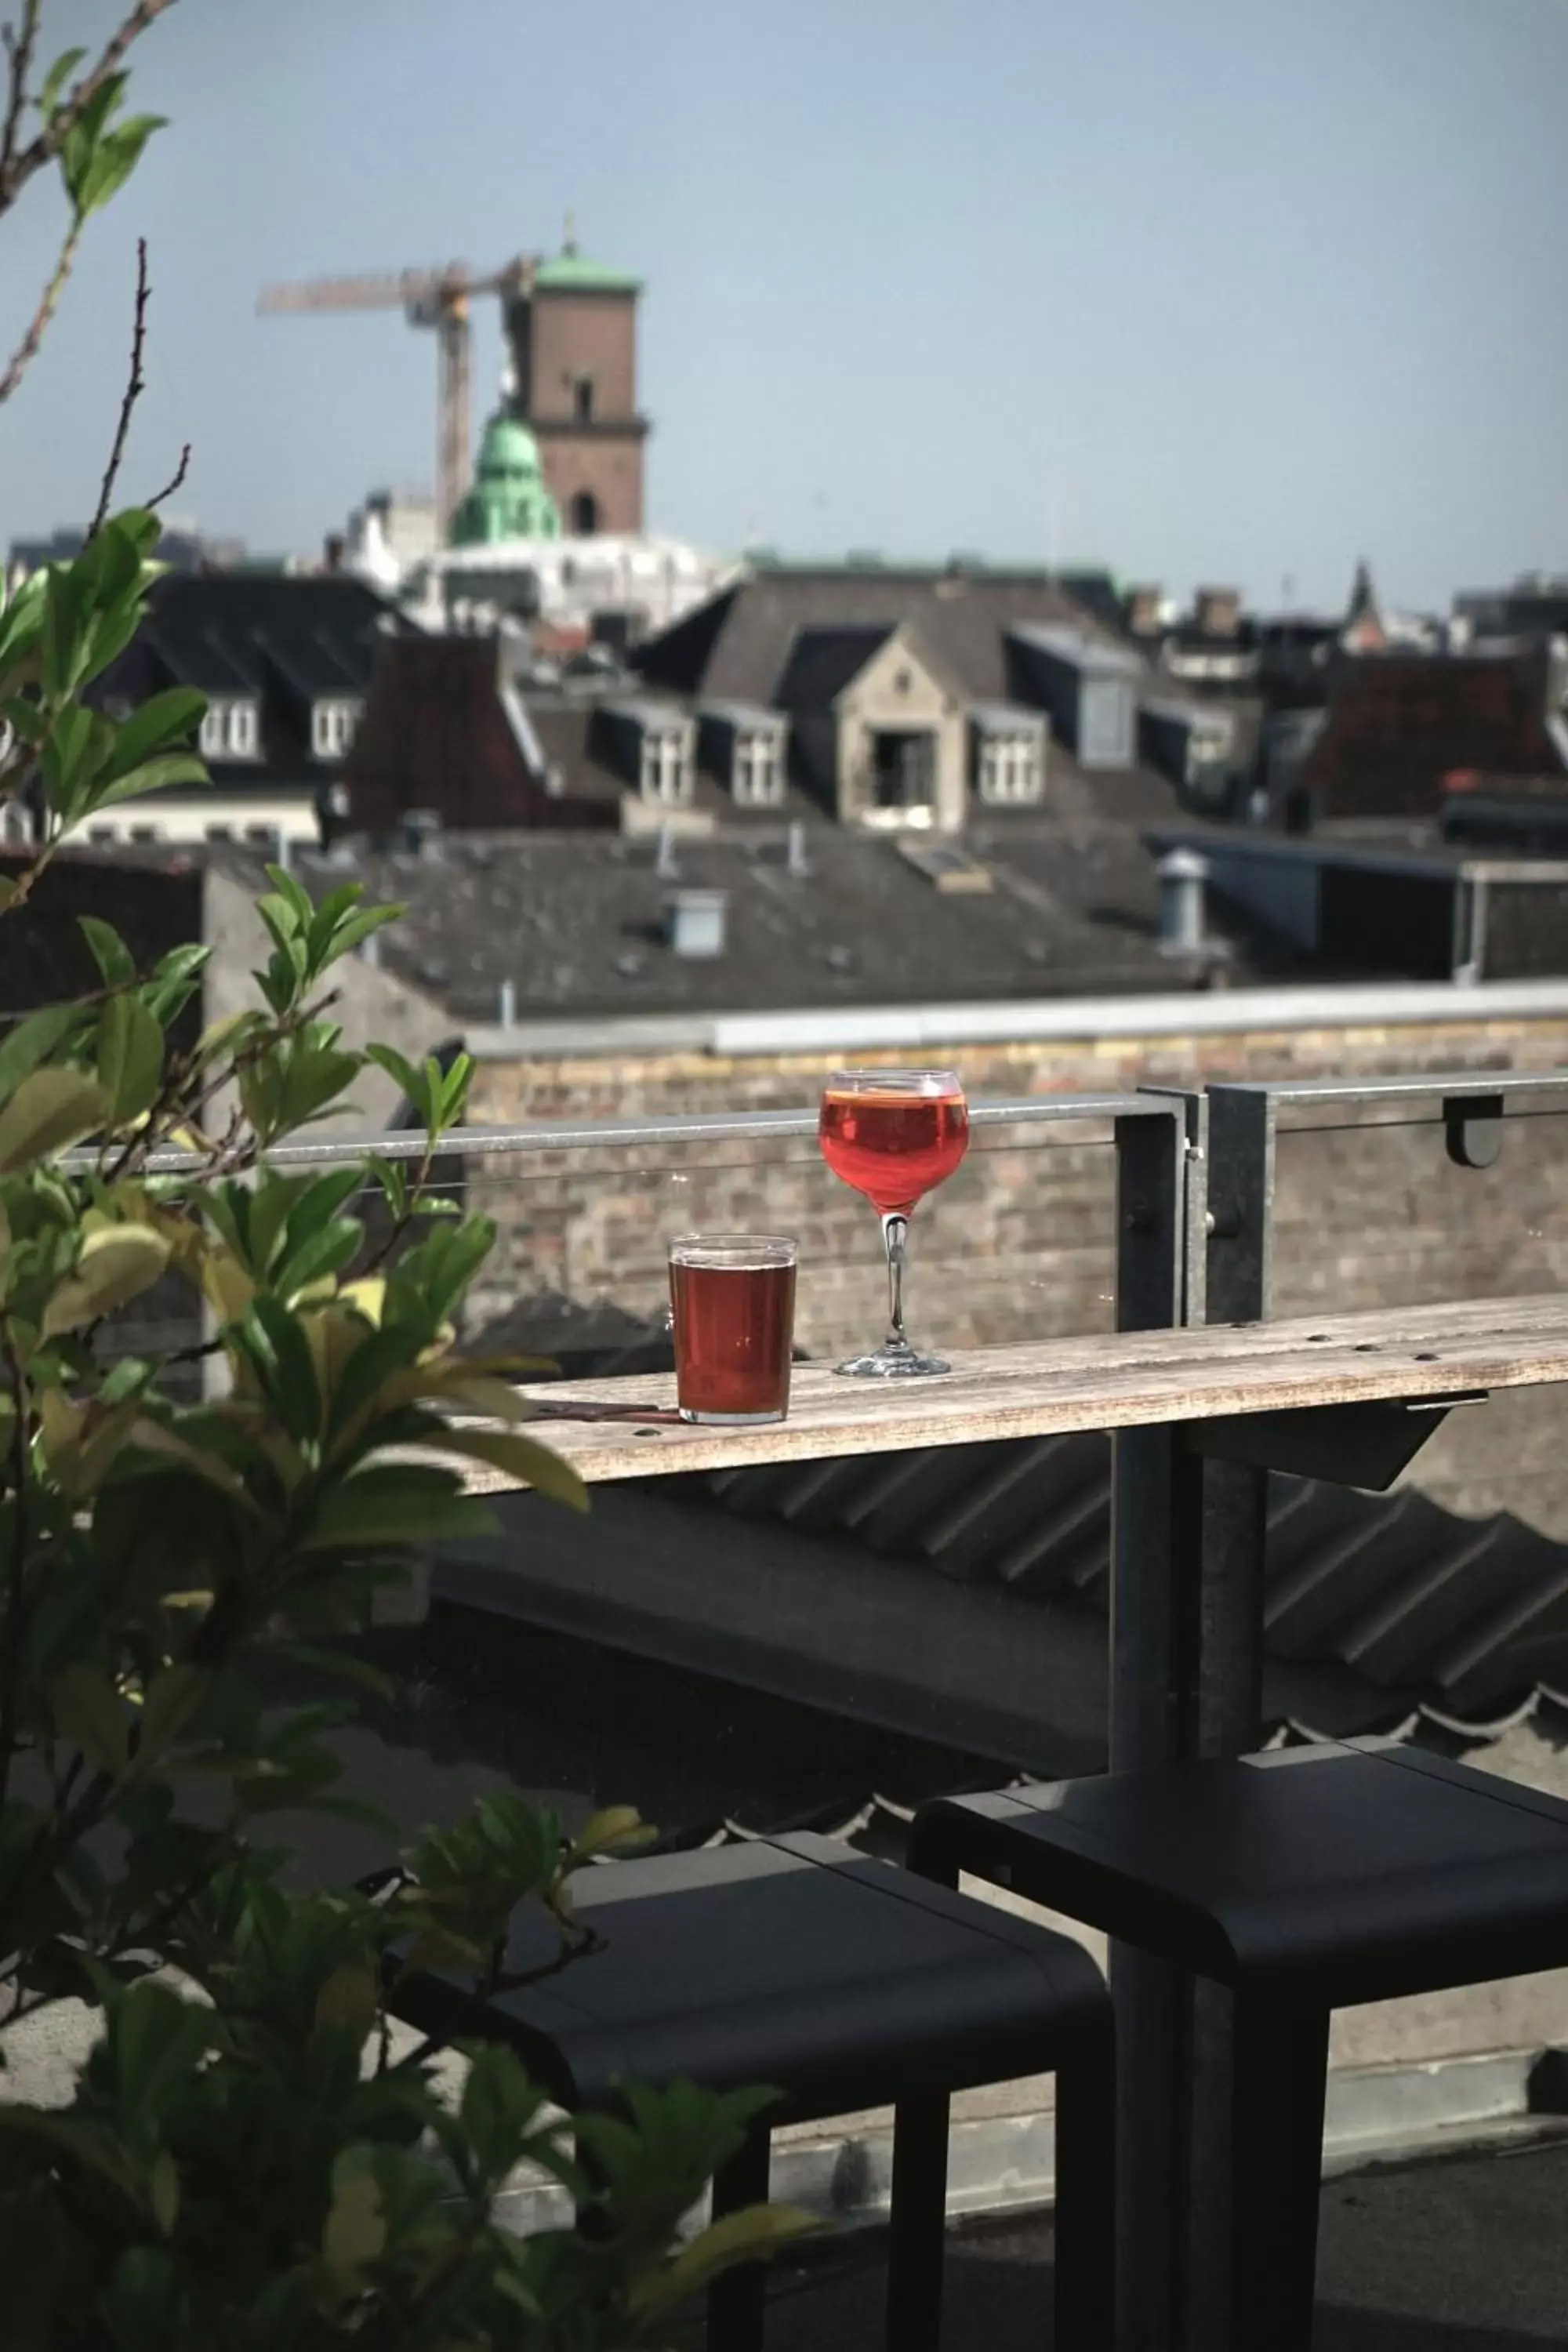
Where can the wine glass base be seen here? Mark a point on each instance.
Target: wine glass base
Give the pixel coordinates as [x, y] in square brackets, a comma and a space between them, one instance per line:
[893, 1364]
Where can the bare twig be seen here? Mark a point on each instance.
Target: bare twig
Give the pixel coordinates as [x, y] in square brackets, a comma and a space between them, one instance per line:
[27, 350]
[175, 478]
[134, 386]
[19, 47]
[20, 167]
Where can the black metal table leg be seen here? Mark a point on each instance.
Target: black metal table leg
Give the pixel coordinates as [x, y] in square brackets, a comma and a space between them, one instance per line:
[736, 2302]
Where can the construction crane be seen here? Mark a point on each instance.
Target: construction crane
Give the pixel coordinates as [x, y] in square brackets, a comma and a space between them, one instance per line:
[427, 298]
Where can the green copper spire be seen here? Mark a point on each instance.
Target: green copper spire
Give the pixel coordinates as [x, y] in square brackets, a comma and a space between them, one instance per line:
[508, 499]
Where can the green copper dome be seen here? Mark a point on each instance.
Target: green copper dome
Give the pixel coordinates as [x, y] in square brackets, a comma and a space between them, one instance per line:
[508, 499]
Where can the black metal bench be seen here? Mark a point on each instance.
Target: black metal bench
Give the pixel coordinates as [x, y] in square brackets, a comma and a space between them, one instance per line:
[844, 1984]
[1305, 1880]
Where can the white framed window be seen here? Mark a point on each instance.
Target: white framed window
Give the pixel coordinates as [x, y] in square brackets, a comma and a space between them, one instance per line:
[665, 774]
[230, 730]
[758, 772]
[1009, 769]
[333, 725]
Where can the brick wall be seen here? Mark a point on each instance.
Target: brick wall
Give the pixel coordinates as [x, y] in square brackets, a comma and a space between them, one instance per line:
[1020, 1243]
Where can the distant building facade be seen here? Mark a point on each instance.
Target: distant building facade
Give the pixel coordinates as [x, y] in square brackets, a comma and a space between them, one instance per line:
[904, 701]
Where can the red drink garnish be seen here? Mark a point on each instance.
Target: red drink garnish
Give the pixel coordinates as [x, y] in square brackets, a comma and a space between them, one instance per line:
[733, 1332]
[894, 1148]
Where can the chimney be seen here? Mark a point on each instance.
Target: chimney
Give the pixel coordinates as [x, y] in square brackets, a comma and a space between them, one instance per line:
[1183, 876]
[1141, 611]
[1217, 611]
[694, 923]
[332, 552]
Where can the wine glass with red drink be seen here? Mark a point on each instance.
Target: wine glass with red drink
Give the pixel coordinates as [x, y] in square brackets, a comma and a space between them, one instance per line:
[894, 1135]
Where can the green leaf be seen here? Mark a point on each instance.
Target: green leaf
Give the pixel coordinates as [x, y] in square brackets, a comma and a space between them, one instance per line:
[117, 1264]
[390, 1506]
[55, 79]
[356, 2231]
[115, 158]
[616, 1829]
[49, 1111]
[748, 2236]
[110, 952]
[130, 1057]
[349, 1996]
[162, 720]
[33, 1041]
[280, 1349]
[86, 1710]
[152, 776]
[402, 1073]
[523, 1458]
[173, 1697]
[62, 638]
[163, 2192]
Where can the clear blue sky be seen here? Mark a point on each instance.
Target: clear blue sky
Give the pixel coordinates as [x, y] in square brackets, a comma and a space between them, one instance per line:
[1234, 290]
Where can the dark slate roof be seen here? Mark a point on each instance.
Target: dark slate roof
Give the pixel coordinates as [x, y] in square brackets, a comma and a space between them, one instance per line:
[286, 640]
[822, 662]
[737, 646]
[575, 920]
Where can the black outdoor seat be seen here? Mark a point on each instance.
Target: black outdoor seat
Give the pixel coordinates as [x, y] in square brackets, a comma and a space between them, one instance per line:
[843, 1984]
[1306, 1880]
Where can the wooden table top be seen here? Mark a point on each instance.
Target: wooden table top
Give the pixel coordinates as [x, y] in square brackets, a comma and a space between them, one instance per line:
[1106, 1380]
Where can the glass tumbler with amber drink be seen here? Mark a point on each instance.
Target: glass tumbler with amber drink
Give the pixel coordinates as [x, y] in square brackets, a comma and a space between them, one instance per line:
[894, 1135]
[732, 1299]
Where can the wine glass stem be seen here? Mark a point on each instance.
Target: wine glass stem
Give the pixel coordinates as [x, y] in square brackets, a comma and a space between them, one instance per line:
[895, 1240]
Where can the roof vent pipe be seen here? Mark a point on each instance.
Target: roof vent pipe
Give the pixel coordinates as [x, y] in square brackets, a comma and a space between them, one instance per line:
[506, 1005]
[664, 858]
[795, 852]
[1184, 876]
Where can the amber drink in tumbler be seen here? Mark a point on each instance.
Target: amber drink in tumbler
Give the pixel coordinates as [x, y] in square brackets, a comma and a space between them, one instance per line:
[732, 1299]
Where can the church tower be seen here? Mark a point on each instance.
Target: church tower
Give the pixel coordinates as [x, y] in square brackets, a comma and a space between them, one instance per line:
[572, 330]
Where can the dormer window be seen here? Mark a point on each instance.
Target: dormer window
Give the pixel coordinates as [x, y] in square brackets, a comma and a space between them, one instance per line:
[1009, 756]
[333, 724]
[759, 780]
[230, 729]
[666, 766]
[1009, 770]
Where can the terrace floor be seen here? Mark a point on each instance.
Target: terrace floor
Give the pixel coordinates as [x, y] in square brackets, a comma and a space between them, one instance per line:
[1464, 2254]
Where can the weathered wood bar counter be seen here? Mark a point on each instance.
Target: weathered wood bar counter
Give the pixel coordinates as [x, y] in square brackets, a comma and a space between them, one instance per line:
[1109, 1381]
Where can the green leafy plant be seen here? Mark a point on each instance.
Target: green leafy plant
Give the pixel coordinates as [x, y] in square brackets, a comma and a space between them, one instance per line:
[250, 2158]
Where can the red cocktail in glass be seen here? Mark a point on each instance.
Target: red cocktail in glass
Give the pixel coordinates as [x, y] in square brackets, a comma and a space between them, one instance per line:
[894, 1135]
[732, 1299]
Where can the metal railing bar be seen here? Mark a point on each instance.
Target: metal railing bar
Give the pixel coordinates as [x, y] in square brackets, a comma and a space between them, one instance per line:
[619, 1134]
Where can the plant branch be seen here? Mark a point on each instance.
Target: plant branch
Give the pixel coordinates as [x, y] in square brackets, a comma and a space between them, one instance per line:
[135, 383]
[19, 168]
[175, 478]
[19, 47]
[12, 1647]
[27, 350]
